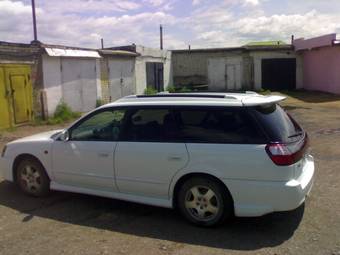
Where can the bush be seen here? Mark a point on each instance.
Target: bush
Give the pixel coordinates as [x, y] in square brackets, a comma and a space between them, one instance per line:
[264, 91]
[99, 102]
[64, 112]
[150, 91]
[185, 89]
[171, 89]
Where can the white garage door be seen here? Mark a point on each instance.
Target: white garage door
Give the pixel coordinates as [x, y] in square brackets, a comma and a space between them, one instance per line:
[79, 83]
[121, 78]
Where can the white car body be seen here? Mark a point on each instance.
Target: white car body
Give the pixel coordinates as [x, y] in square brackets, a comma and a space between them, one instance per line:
[147, 172]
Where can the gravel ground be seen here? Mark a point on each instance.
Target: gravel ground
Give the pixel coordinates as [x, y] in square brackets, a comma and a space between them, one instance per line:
[66, 223]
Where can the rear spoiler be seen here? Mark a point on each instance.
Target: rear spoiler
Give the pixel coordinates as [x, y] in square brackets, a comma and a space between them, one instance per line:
[261, 100]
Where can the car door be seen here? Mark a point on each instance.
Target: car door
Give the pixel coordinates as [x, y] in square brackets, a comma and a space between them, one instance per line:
[86, 159]
[148, 156]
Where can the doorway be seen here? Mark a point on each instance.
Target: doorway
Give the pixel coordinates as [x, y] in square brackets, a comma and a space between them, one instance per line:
[279, 74]
[155, 75]
[16, 101]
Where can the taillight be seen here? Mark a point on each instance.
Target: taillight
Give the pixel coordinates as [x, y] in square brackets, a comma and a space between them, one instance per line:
[284, 154]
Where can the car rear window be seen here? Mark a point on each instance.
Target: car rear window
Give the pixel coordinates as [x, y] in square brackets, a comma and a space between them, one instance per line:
[217, 125]
[278, 125]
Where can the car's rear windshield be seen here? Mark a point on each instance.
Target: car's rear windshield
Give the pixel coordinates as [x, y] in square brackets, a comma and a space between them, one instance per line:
[277, 124]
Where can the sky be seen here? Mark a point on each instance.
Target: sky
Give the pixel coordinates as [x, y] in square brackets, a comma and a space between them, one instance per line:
[200, 23]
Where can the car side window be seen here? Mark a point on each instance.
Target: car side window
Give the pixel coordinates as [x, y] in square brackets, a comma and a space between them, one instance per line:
[102, 126]
[233, 126]
[148, 125]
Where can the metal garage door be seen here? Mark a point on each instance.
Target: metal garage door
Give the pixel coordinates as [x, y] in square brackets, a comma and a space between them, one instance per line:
[16, 104]
[155, 75]
[224, 74]
[121, 78]
[79, 83]
[279, 74]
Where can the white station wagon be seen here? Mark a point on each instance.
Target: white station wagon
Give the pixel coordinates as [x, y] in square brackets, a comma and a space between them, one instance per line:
[211, 155]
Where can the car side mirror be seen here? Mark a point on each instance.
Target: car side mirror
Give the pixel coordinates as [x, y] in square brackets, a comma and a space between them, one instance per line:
[64, 136]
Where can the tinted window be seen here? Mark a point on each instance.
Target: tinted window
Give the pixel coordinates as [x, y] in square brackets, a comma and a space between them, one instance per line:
[102, 126]
[277, 124]
[148, 125]
[217, 126]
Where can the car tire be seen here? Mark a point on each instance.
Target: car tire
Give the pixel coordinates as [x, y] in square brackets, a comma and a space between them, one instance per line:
[204, 201]
[32, 178]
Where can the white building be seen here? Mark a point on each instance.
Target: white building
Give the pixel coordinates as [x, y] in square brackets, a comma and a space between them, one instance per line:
[131, 69]
[250, 67]
[79, 77]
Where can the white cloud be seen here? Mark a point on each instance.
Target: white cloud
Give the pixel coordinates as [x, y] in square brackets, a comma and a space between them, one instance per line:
[196, 2]
[88, 6]
[251, 2]
[226, 23]
[156, 2]
[15, 8]
[282, 26]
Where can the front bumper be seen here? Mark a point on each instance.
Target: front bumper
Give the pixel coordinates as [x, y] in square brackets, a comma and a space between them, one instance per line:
[256, 198]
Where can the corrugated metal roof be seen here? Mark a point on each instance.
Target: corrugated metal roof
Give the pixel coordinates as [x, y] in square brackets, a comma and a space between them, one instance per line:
[124, 53]
[57, 52]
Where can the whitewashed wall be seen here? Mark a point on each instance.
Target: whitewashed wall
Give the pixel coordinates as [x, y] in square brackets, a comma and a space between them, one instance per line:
[52, 82]
[151, 55]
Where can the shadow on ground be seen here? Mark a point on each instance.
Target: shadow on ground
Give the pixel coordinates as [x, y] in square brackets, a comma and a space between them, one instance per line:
[312, 96]
[146, 221]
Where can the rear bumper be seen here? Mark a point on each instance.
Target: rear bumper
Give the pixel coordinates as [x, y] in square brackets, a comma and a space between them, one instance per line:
[5, 169]
[256, 198]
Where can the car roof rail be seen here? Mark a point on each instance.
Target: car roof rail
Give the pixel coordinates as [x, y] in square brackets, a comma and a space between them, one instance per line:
[196, 95]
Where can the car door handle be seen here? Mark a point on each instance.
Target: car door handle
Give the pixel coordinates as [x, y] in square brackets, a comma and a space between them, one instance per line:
[174, 158]
[103, 155]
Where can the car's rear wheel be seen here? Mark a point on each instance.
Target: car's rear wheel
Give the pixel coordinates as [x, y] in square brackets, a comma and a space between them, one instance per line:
[204, 201]
[32, 178]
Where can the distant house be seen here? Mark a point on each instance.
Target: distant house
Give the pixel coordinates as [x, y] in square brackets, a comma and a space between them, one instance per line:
[257, 65]
[321, 62]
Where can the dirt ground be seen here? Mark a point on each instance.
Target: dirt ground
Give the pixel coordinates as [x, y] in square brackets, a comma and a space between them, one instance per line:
[66, 223]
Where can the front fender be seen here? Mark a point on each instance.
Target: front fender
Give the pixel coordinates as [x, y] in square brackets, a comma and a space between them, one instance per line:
[40, 150]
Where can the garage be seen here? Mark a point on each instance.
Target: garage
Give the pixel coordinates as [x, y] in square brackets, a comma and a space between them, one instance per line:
[279, 74]
[72, 76]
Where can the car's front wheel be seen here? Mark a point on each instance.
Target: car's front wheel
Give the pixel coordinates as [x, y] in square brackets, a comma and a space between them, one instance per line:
[32, 178]
[204, 201]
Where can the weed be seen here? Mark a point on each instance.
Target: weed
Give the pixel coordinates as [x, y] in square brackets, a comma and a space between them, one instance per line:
[171, 89]
[150, 91]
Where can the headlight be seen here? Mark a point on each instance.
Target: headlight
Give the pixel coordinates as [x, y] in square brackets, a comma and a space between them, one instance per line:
[3, 151]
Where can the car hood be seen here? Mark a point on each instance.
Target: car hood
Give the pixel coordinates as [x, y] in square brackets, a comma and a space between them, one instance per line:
[45, 136]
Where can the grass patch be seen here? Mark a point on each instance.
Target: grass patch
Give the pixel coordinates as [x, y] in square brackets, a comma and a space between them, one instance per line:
[150, 91]
[62, 114]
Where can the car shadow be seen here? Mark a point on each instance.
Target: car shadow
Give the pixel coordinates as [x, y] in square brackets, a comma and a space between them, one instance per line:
[147, 221]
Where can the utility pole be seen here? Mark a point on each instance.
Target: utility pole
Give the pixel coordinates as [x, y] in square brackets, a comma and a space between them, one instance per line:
[34, 21]
[161, 36]
[102, 43]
